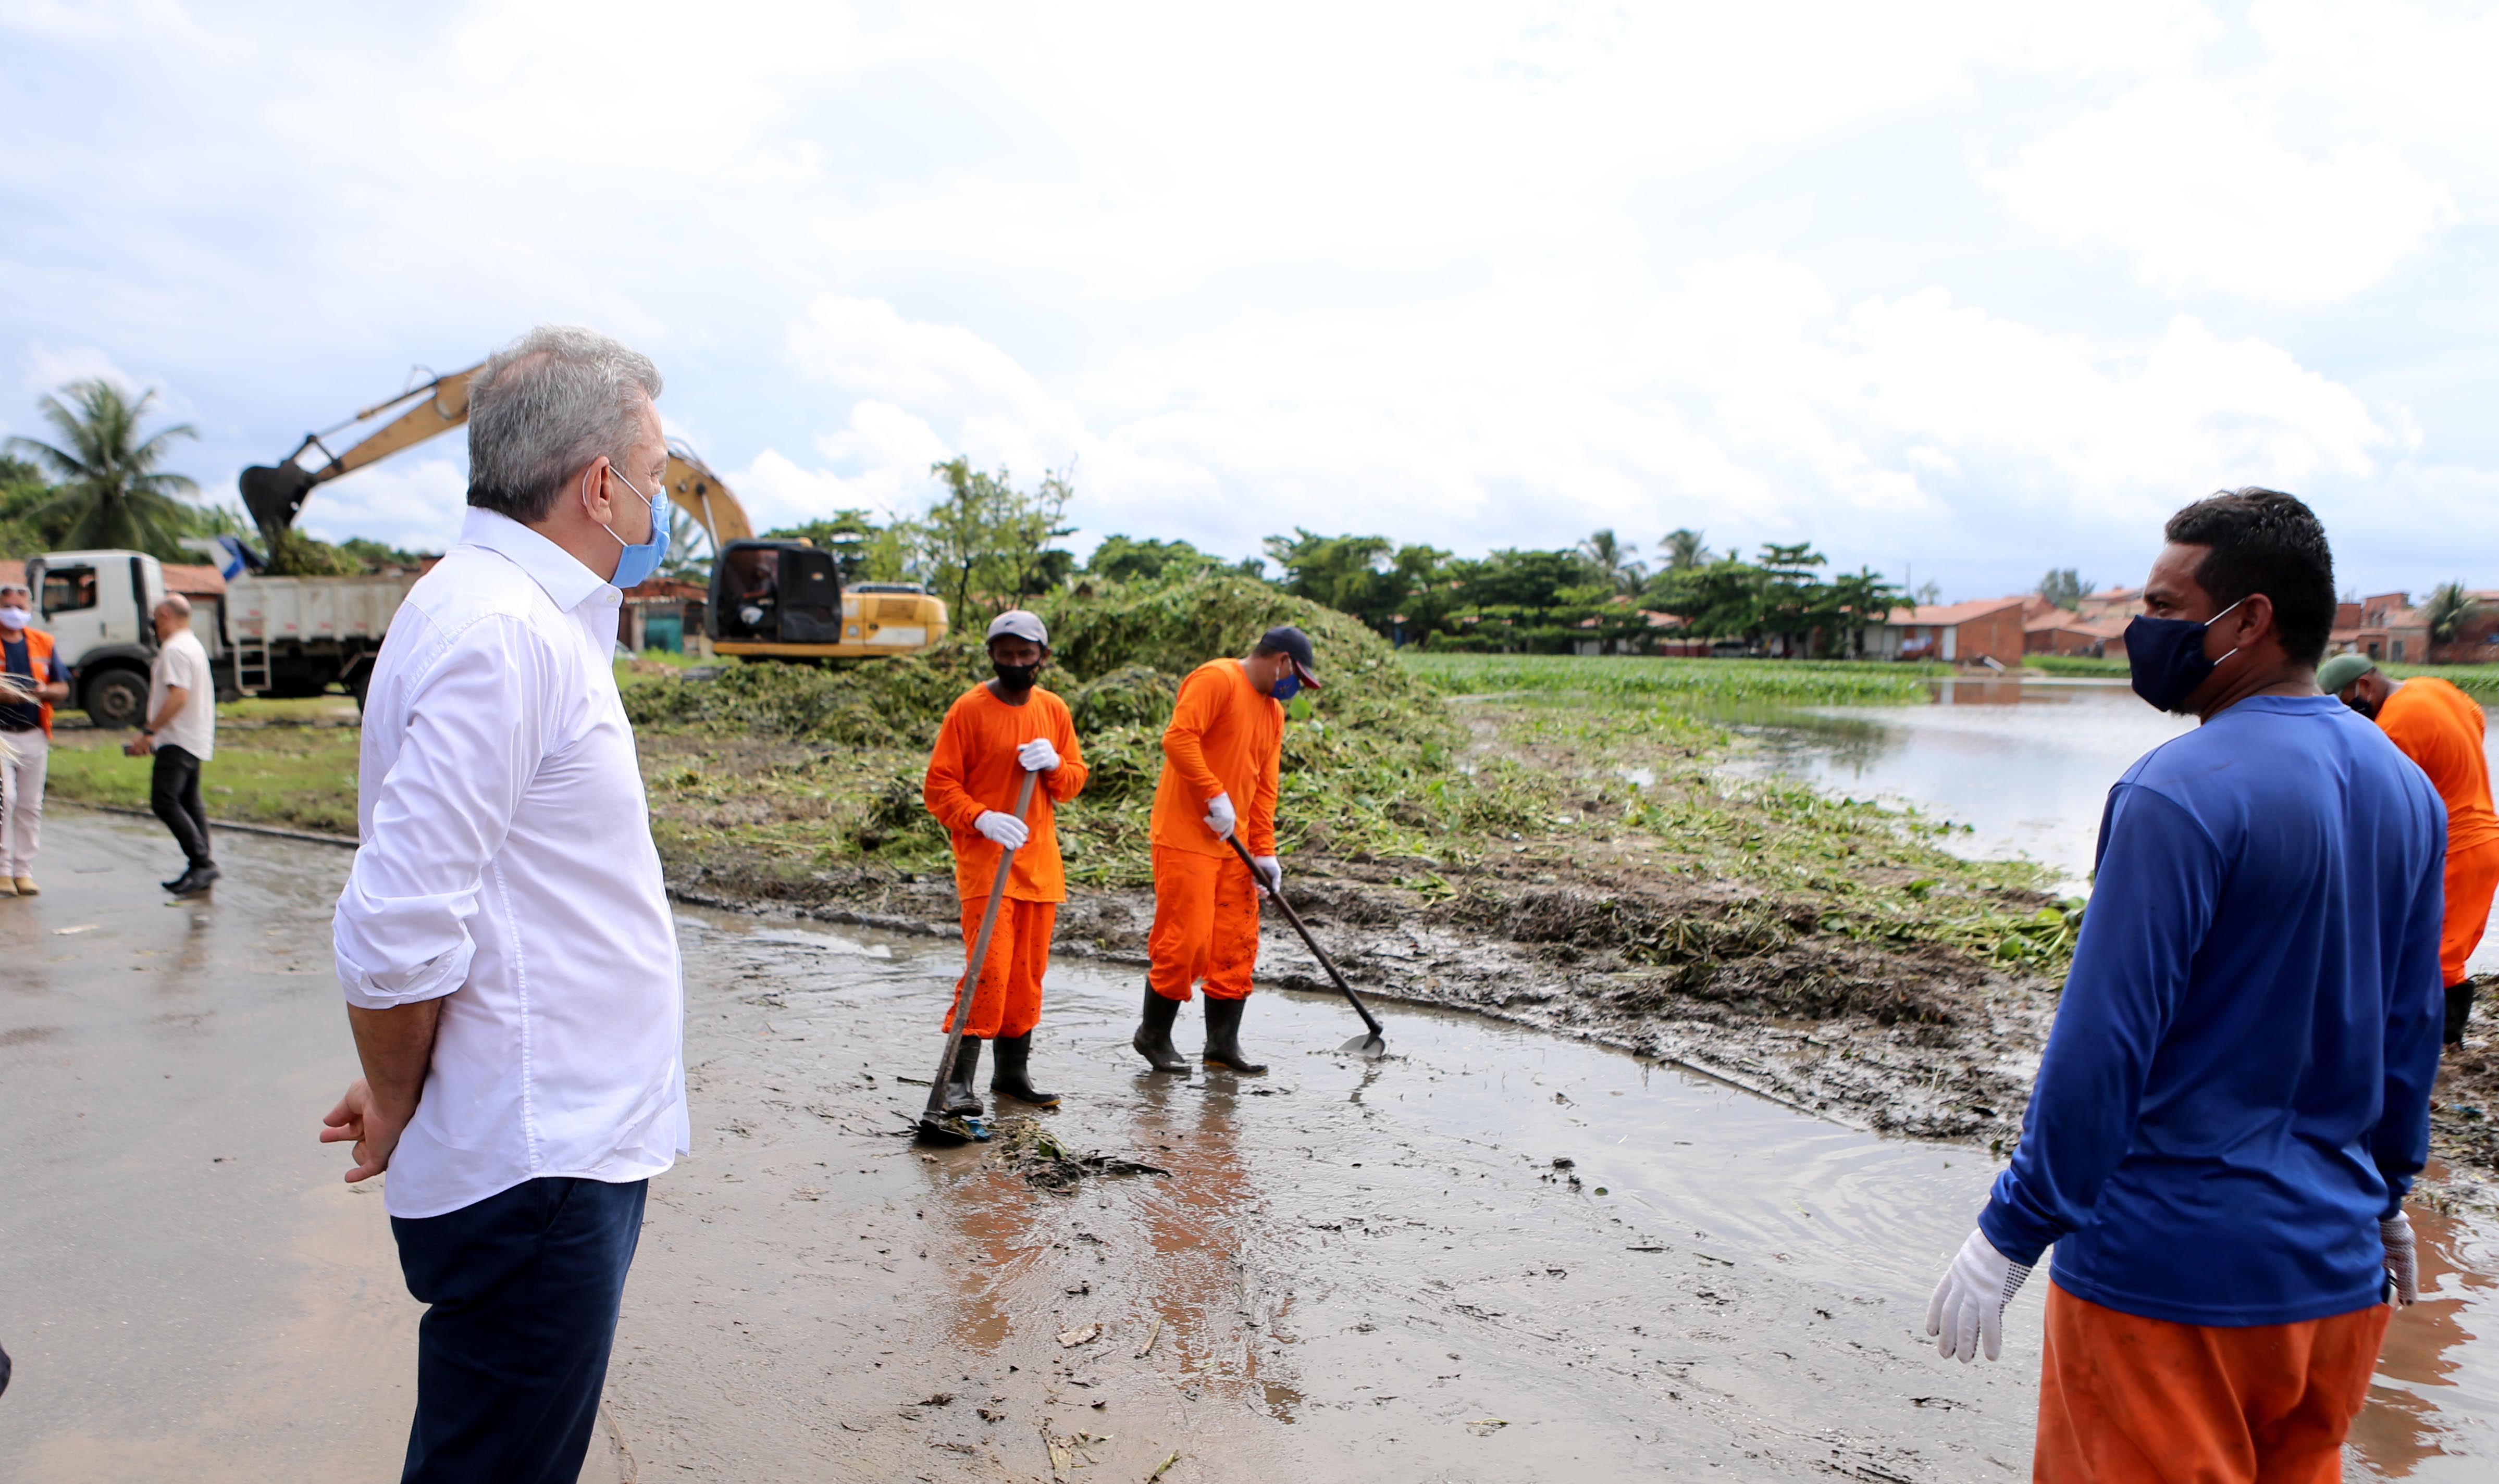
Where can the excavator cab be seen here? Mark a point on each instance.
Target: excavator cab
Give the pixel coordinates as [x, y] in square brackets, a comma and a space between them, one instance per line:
[773, 594]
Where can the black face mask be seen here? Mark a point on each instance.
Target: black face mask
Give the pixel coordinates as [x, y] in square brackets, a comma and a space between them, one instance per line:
[1015, 679]
[2167, 659]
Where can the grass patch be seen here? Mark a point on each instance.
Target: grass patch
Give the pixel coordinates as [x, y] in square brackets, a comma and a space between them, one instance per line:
[1699, 684]
[2075, 665]
[2479, 680]
[290, 763]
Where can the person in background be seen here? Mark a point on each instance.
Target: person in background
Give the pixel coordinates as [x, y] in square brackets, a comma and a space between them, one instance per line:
[993, 734]
[180, 735]
[505, 939]
[2439, 728]
[26, 657]
[2235, 1095]
[1220, 754]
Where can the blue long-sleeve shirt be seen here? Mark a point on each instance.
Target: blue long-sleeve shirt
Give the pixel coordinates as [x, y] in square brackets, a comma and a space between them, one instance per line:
[2237, 1085]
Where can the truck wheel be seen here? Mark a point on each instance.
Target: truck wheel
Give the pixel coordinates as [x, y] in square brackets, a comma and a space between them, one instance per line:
[118, 698]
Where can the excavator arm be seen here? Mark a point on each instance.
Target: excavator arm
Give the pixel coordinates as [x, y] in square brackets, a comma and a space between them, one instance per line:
[275, 495]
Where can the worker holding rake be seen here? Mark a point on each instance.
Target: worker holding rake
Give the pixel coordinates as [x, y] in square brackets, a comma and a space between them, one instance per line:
[1220, 753]
[995, 733]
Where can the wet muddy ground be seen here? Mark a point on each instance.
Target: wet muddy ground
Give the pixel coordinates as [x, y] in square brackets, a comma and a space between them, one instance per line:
[1373, 1270]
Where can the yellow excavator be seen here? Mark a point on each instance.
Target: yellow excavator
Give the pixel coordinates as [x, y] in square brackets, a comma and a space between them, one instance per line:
[769, 600]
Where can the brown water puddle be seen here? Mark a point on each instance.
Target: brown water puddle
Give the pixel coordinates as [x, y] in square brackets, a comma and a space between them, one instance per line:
[1354, 1270]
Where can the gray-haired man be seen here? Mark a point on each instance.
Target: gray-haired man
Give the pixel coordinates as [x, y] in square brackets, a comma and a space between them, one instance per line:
[504, 941]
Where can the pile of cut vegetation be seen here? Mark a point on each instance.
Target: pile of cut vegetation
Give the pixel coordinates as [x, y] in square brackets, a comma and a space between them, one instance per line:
[1370, 738]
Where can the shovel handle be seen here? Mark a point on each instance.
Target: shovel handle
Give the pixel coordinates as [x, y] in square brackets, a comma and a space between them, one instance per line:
[1295, 917]
[961, 1015]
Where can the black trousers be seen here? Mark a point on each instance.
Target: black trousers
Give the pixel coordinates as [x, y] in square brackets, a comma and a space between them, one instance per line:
[173, 792]
[2460, 1009]
[512, 1355]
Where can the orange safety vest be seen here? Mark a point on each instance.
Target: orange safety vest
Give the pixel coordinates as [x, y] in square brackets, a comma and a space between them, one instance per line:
[39, 655]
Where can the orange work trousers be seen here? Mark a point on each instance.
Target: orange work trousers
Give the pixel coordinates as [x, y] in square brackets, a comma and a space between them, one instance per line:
[2125, 1399]
[2472, 879]
[1008, 1002]
[1206, 926]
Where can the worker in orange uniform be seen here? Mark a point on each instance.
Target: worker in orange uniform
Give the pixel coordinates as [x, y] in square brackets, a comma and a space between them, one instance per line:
[1219, 759]
[993, 735]
[2439, 728]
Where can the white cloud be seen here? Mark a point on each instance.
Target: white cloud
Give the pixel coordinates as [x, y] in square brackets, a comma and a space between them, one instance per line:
[2178, 177]
[414, 502]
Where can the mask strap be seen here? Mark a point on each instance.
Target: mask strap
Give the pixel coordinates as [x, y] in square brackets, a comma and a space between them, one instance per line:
[2216, 618]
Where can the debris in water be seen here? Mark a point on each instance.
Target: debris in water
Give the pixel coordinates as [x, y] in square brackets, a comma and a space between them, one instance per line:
[1152, 1330]
[1565, 1162]
[1035, 1154]
[1086, 1336]
[1485, 1427]
[1163, 1467]
[83, 927]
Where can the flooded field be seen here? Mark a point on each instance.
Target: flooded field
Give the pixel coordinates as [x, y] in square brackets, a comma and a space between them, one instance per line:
[2026, 765]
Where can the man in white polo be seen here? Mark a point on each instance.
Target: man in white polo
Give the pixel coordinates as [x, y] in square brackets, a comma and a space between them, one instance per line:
[505, 939]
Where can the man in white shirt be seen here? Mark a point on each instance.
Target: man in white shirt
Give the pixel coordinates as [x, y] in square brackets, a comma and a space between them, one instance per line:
[181, 734]
[505, 939]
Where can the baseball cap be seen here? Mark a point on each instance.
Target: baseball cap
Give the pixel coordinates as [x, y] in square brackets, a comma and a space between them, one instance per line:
[1015, 623]
[1287, 640]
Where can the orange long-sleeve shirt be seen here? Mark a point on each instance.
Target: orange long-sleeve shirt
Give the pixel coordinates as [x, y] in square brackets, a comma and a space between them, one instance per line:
[1225, 737]
[2440, 728]
[973, 769]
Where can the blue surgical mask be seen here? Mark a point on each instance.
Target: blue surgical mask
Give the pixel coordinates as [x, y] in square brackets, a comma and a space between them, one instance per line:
[639, 560]
[1287, 689]
[2165, 657]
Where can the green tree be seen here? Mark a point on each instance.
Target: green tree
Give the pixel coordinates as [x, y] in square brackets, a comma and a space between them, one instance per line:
[1126, 559]
[689, 550]
[1794, 603]
[2065, 587]
[2450, 609]
[985, 539]
[1610, 561]
[1723, 600]
[855, 539]
[1684, 550]
[109, 487]
[22, 491]
[1859, 598]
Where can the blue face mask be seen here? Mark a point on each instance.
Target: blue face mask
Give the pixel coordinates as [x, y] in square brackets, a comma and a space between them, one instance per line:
[1287, 689]
[638, 562]
[2165, 657]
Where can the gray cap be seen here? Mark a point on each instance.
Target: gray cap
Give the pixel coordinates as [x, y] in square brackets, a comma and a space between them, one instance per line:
[2336, 675]
[1015, 623]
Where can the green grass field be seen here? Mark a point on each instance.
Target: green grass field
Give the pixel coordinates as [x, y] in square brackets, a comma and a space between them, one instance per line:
[1710, 685]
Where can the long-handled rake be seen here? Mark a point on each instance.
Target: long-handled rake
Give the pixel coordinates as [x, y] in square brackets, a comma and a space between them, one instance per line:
[936, 1125]
[1371, 1043]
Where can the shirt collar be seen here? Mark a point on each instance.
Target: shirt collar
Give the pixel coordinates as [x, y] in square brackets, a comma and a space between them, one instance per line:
[567, 582]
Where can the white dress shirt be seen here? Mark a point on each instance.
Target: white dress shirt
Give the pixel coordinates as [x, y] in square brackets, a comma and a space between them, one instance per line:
[184, 660]
[507, 870]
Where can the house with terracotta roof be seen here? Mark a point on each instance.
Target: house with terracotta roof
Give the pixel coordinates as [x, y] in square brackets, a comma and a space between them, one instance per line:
[1957, 633]
[2119, 604]
[2383, 625]
[2059, 632]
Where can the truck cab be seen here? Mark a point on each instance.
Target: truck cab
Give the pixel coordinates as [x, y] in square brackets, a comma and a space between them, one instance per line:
[96, 605]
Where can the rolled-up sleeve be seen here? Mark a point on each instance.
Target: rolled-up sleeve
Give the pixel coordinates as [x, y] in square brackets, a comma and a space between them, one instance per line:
[471, 717]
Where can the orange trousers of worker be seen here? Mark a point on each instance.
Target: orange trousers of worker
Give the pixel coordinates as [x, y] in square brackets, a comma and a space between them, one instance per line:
[2125, 1399]
[1206, 926]
[2472, 880]
[1008, 1002]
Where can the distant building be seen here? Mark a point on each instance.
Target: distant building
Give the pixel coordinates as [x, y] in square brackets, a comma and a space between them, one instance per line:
[1957, 633]
[2475, 640]
[664, 614]
[2384, 625]
[2119, 604]
[2059, 633]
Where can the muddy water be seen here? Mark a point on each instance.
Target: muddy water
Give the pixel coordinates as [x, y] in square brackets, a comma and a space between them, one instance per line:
[1352, 1269]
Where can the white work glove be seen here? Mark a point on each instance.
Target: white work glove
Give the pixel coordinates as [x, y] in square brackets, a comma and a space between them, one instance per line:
[1004, 829]
[1967, 1309]
[1038, 756]
[2403, 1262]
[1219, 817]
[1270, 870]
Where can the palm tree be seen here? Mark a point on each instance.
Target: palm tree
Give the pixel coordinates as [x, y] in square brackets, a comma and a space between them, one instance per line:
[110, 491]
[1684, 550]
[2449, 605]
[1610, 561]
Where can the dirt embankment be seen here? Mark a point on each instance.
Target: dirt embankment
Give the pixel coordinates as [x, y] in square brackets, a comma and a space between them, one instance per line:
[1923, 1040]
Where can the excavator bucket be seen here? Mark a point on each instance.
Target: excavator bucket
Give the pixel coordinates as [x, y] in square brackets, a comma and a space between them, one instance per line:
[273, 496]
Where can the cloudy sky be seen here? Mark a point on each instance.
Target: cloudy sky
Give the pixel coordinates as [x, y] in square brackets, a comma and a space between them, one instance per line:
[1944, 287]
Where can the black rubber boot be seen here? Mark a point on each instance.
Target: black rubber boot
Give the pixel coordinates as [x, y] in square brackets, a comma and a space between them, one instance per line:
[2460, 1009]
[1223, 1034]
[959, 1096]
[1152, 1039]
[1007, 1069]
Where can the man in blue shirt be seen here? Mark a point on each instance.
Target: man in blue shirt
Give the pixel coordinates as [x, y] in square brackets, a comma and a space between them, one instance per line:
[2235, 1096]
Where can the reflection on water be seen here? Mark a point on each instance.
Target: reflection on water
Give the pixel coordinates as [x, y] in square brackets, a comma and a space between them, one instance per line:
[2025, 767]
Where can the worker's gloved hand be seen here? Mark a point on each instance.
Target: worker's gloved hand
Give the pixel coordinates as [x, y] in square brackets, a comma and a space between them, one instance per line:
[1967, 1309]
[1038, 756]
[1270, 870]
[1004, 829]
[2403, 1260]
[1219, 817]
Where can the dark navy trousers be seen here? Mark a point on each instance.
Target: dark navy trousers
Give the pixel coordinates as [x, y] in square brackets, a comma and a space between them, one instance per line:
[511, 1358]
